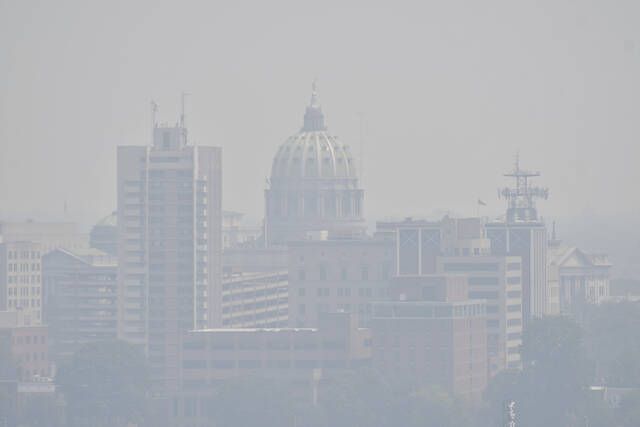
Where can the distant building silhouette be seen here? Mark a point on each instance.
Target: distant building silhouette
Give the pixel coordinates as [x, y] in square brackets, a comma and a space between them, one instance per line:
[104, 235]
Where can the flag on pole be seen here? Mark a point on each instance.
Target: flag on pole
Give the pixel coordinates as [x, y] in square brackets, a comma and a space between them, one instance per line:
[481, 202]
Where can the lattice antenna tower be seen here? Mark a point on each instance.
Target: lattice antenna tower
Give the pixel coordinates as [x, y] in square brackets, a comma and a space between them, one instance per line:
[521, 199]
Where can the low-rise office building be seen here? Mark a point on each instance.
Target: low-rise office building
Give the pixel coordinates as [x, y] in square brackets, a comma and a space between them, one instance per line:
[298, 356]
[257, 299]
[80, 298]
[21, 280]
[28, 347]
[459, 247]
[337, 275]
[498, 281]
[580, 277]
[432, 334]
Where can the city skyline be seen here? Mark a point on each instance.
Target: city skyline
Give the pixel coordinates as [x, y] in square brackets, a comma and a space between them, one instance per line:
[279, 214]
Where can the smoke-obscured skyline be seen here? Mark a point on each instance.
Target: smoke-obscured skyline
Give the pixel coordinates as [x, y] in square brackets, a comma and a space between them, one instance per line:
[449, 93]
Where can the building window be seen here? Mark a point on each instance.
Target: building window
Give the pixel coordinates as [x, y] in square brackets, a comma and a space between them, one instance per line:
[323, 272]
[514, 322]
[408, 251]
[514, 308]
[490, 280]
[512, 266]
[450, 267]
[483, 295]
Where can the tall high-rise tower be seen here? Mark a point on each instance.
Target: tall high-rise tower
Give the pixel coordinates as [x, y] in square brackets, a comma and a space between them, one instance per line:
[169, 244]
[524, 234]
[313, 185]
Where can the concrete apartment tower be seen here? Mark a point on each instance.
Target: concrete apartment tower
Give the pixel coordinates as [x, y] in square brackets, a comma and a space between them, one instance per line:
[169, 244]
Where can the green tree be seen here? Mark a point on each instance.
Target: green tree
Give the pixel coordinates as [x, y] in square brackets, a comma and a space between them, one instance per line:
[504, 387]
[253, 401]
[556, 371]
[105, 384]
[629, 412]
[552, 389]
[614, 343]
[363, 399]
[434, 407]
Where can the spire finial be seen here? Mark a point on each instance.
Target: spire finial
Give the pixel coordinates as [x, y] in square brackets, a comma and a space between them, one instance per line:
[314, 93]
[313, 117]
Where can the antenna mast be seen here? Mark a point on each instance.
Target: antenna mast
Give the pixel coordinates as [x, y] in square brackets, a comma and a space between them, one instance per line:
[154, 111]
[521, 198]
[183, 124]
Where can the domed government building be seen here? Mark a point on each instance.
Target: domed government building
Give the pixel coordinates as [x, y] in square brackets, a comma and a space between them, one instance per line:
[313, 186]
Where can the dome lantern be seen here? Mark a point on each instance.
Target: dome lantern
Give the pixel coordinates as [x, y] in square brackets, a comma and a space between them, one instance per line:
[313, 117]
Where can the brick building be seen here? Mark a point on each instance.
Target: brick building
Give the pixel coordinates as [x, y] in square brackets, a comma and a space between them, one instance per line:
[432, 334]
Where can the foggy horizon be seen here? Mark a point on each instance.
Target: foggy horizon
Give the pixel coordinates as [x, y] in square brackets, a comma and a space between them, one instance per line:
[555, 83]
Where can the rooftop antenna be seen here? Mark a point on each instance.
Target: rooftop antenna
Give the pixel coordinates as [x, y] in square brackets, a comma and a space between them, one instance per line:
[154, 112]
[521, 198]
[183, 125]
[314, 93]
[183, 98]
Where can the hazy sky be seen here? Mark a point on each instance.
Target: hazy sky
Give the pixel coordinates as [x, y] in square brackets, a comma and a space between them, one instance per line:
[450, 90]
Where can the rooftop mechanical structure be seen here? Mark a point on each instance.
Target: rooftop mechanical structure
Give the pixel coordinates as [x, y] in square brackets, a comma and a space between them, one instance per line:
[521, 199]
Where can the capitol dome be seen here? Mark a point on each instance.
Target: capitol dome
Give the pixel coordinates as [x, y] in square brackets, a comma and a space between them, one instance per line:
[313, 184]
[313, 152]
